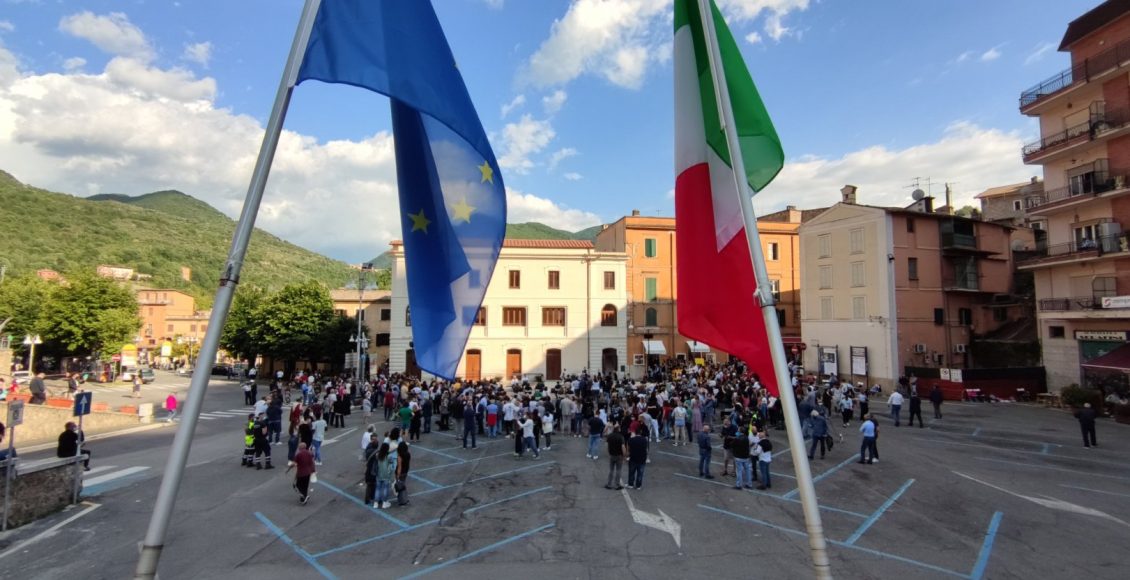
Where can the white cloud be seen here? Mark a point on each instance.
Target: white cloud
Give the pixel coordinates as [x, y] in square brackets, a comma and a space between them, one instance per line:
[965, 56]
[753, 38]
[9, 66]
[113, 33]
[521, 140]
[1039, 52]
[174, 83]
[573, 176]
[200, 53]
[559, 156]
[74, 63]
[514, 104]
[553, 103]
[6, 26]
[990, 55]
[973, 157]
[525, 207]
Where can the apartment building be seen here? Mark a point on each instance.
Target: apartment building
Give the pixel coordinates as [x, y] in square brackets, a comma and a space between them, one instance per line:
[1008, 204]
[1082, 267]
[553, 307]
[168, 316]
[887, 288]
[375, 310]
[649, 242]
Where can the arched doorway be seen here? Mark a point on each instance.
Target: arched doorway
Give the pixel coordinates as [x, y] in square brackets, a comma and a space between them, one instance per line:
[410, 367]
[609, 362]
[553, 364]
[513, 363]
[473, 368]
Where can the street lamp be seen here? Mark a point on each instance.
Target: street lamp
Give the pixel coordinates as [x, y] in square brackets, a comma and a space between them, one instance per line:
[362, 345]
[32, 341]
[360, 338]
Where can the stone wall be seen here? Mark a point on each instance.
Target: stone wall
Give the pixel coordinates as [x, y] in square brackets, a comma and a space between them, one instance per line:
[43, 424]
[40, 490]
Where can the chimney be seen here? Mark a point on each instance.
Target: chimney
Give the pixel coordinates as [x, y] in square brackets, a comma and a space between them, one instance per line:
[794, 214]
[186, 273]
[635, 213]
[848, 193]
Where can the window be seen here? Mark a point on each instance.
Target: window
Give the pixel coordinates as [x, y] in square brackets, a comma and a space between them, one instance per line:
[150, 311]
[964, 316]
[481, 316]
[826, 308]
[1037, 225]
[858, 274]
[910, 225]
[939, 317]
[1016, 205]
[513, 316]
[780, 317]
[169, 329]
[515, 279]
[825, 277]
[203, 328]
[1084, 236]
[775, 288]
[1103, 286]
[773, 252]
[608, 315]
[386, 314]
[912, 268]
[610, 280]
[651, 317]
[192, 328]
[857, 241]
[1000, 314]
[339, 312]
[382, 339]
[649, 250]
[554, 280]
[554, 316]
[407, 316]
[650, 289]
[825, 245]
[858, 307]
[1055, 332]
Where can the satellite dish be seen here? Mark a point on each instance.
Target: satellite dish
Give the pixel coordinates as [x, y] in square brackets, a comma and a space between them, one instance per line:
[918, 194]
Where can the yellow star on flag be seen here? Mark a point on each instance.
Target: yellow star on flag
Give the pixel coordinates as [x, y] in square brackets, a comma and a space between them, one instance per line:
[420, 221]
[487, 171]
[462, 211]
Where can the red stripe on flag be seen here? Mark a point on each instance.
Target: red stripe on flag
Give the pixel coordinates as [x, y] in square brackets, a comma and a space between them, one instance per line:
[716, 288]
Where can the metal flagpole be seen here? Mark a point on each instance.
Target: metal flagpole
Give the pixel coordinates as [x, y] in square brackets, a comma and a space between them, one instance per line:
[229, 278]
[764, 299]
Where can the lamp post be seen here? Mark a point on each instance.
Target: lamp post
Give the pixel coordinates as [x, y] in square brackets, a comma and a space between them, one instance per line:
[32, 341]
[360, 338]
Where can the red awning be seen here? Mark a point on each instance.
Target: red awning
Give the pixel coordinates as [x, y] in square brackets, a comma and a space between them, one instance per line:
[1115, 360]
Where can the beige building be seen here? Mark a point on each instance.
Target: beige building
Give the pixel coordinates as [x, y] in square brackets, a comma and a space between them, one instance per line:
[650, 244]
[1082, 268]
[168, 316]
[887, 288]
[552, 307]
[1008, 204]
[375, 309]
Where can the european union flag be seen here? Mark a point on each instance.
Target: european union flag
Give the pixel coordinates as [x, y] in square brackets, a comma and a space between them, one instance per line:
[452, 200]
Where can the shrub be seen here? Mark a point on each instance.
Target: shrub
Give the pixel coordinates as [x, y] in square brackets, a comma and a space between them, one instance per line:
[1075, 396]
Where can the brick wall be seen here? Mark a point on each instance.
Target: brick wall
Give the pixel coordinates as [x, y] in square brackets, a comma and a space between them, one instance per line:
[41, 491]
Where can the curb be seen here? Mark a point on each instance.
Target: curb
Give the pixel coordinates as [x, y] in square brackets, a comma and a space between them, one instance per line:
[131, 430]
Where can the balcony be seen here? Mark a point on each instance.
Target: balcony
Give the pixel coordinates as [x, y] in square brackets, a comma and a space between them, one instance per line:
[1074, 304]
[1083, 186]
[1076, 75]
[962, 283]
[1100, 125]
[955, 240]
[1076, 250]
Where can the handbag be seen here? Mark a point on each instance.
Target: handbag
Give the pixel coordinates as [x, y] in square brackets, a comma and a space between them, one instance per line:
[399, 486]
[829, 441]
[313, 478]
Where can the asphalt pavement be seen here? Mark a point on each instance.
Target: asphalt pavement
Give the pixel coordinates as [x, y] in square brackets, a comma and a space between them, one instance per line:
[989, 491]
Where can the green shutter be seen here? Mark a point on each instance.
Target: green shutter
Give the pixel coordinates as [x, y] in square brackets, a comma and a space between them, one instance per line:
[650, 289]
[649, 248]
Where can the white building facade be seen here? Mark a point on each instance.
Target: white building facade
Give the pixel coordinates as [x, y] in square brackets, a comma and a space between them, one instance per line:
[553, 307]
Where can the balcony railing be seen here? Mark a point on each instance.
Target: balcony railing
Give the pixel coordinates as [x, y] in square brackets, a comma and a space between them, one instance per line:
[1085, 248]
[961, 282]
[1074, 303]
[1100, 123]
[1079, 73]
[952, 240]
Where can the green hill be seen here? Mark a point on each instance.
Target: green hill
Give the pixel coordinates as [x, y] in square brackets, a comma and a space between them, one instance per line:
[523, 231]
[155, 234]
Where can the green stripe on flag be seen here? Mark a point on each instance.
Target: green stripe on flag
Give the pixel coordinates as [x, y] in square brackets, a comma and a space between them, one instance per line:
[760, 147]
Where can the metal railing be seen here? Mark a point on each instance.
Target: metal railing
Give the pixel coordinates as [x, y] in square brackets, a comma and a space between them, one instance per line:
[1070, 303]
[1076, 134]
[1078, 73]
[950, 240]
[961, 282]
[1085, 248]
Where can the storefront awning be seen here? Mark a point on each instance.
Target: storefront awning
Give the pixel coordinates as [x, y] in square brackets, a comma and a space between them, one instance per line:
[697, 346]
[1115, 360]
[654, 347]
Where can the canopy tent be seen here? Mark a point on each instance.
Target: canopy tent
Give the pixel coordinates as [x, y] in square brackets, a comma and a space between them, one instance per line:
[697, 346]
[1115, 360]
[654, 347]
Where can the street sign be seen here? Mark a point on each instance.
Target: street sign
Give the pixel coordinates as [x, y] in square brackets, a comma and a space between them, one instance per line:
[15, 413]
[82, 403]
[1116, 301]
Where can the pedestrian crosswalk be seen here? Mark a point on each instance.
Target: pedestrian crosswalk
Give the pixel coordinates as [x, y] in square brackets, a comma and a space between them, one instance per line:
[88, 481]
[228, 414]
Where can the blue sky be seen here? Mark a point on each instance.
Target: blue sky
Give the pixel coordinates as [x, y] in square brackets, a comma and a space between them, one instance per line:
[137, 96]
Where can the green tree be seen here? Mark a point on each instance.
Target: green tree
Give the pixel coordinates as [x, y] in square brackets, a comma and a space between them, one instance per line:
[384, 279]
[292, 321]
[23, 299]
[333, 342]
[246, 314]
[88, 315]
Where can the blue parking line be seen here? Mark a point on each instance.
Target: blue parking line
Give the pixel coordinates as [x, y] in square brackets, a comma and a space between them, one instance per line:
[421, 479]
[841, 544]
[817, 479]
[770, 495]
[976, 432]
[986, 548]
[357, 501]
[487, 477]
[482, 550]
[511, 498]
[297, 550]
[481, 441]
[475, 460]
[1045, 449]
[689, 458]
[878, 513]
[441, 454]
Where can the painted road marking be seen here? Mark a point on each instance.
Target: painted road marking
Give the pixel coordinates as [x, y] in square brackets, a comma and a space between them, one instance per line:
[50, 531]
[850, 459]
[986, 548]
[482, 550]
[660, 521]
[770, 495]
[1050, 502]
[1095, 490]
[293, 546]
[114, 475]
[878, 513]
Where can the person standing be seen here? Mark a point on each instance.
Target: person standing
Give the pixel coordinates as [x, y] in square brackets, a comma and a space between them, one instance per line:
[249, 441]
[426, 414]
[70, 443]
[870, 431]
[679, 414]
[729, 432]
[547, 429]
[386, 470]
[318, 429]
[819, 432]
[526, 424]
[862, 399]
[304, 462]
[136, 386]
[38, 390]
[743, 468]
[1086, 417]
[171, 406]
[846, 407]
[262, 442]
[705, 451]
[596, 430]
[403, 462]
[370, 457]
[916, 409]
[936, 398]
[637, 458]
[469, 424]
[764, 451]
[617, 448]
[895, 401]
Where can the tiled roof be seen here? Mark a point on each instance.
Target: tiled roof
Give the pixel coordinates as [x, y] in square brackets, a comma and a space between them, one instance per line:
[1093, 20]
[548, 244]
[1008, 189]
[783, 215]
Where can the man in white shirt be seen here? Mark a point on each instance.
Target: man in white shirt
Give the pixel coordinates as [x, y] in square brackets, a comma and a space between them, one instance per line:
[527, 426]
[895, 402]
[508, 410]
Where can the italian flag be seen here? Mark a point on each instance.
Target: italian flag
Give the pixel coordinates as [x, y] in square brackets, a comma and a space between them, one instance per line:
[716, 280]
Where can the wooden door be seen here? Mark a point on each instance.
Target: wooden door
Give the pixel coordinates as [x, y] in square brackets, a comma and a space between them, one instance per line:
[513, 363]
[410, 367]
[473, 369]
[609, 360]
[553, 364]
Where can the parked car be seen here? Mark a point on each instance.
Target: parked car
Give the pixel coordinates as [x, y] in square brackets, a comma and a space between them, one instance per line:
[147, 375]
[223, 370]
[22, 377]
[127, 374]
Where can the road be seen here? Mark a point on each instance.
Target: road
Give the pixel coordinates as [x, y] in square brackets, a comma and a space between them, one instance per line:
[990, 491]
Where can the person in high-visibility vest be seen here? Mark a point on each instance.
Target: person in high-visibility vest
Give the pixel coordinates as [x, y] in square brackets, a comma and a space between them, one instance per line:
[249, 441]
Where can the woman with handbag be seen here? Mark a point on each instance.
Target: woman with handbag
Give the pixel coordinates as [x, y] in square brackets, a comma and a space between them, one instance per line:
[306, 474]
[386, 470]
[403, 461]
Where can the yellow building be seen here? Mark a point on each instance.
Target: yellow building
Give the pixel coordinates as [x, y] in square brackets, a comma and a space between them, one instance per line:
[376, 316]
[168, 315]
